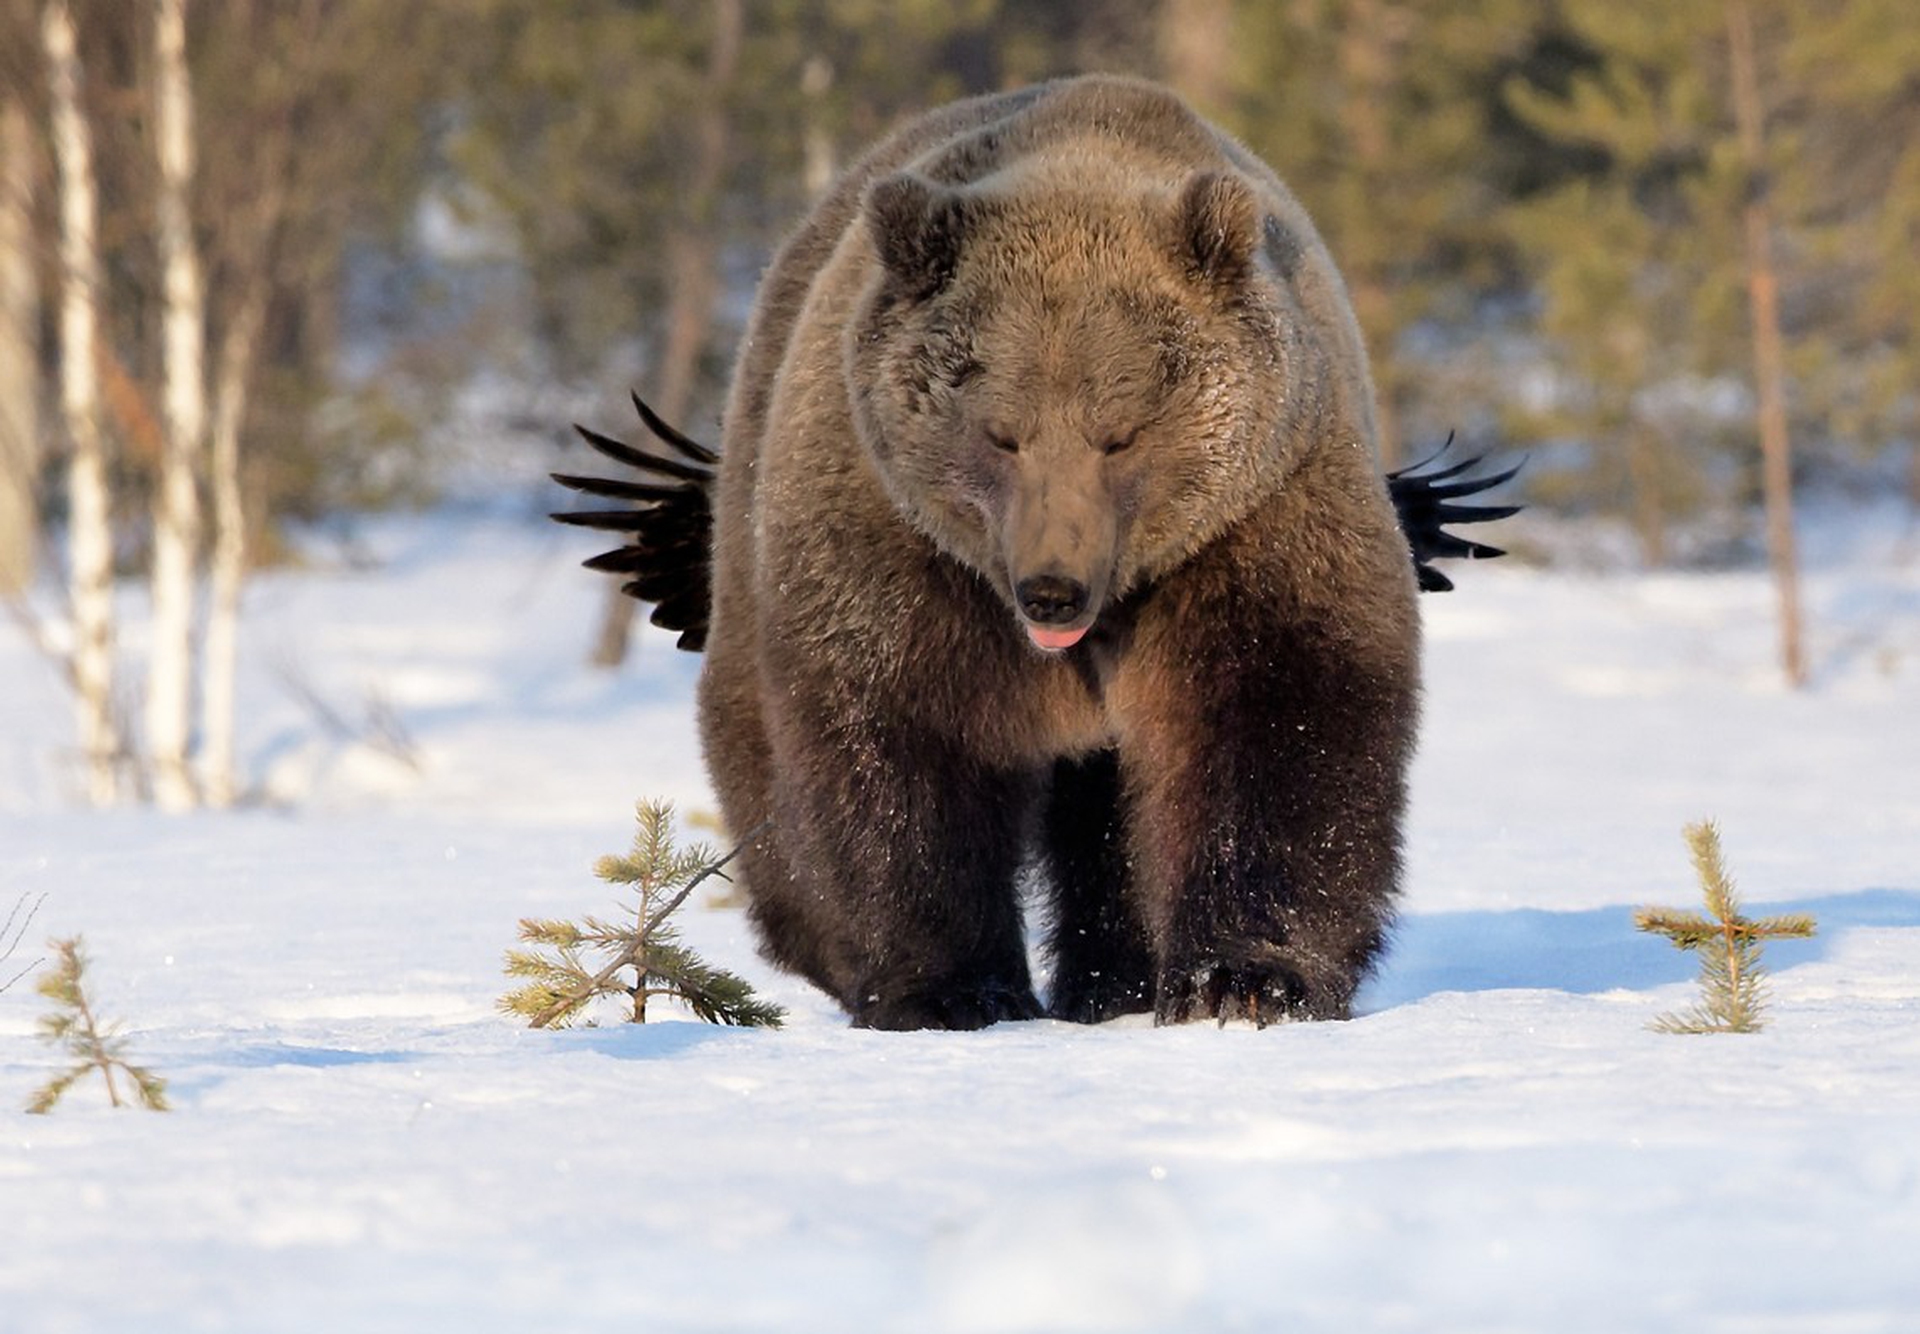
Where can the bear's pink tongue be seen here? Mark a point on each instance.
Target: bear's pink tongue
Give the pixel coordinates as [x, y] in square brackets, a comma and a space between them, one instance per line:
[1054, 640]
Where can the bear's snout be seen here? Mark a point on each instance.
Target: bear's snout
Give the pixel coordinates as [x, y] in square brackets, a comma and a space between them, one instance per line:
[1051, 599]
[1050, 603]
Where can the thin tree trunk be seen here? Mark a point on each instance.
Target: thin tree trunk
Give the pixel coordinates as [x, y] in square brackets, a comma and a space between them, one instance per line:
[19, 359]
[252, 242]
[693, 281]
[90, 535]
[236, 358]
[176, 518]
[1769, 352]
[220, 653]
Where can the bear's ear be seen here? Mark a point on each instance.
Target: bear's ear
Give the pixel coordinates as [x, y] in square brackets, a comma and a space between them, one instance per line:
[1219, 226]
[917, 227]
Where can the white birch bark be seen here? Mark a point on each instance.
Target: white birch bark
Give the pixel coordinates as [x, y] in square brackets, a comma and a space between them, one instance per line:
[19, 364]
[219, 784]
[90, 538]
[250, 242]
[176, 518]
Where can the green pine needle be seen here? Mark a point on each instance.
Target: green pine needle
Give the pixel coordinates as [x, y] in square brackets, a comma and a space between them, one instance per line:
[639, 958]
[713, 994]
[1733, 984]
[540, 931]
[92, 1046]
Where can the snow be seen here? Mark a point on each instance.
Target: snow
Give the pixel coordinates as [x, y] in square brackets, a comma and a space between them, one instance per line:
[360, 1142]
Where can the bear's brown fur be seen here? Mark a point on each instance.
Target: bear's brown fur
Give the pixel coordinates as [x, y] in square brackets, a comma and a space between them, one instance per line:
[1049, 529]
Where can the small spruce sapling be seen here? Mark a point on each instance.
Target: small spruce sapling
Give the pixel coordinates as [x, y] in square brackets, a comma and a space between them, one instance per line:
[643, 958]
[1732, 981]
[92, 1046]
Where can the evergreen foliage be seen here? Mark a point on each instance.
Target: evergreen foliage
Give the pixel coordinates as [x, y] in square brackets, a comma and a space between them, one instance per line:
[1639, 263]
[1378, 115]
[92, 1045]
[1732, 980]
[639, 958]
[1538, 210]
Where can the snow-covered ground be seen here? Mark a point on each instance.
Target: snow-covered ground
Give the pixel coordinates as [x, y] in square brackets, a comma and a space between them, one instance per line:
[360, 1143]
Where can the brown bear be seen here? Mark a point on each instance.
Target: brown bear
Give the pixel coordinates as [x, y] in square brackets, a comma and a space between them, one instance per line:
[1049, 534]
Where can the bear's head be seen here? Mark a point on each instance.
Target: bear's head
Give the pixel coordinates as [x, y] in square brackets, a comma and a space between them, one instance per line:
[1073, 385]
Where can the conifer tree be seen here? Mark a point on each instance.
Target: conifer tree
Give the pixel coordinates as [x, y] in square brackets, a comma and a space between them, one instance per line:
[1745, 216]
[642, 957]
[1732, 981]
[1861, 216]
[1374, 113]
[1636, 262]
[92, 1045]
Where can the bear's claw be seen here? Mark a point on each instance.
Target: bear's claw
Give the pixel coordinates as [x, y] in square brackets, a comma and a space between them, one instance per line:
[1260, 992]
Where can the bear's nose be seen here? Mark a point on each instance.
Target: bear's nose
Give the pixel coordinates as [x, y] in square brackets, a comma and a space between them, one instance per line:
[1049, 599]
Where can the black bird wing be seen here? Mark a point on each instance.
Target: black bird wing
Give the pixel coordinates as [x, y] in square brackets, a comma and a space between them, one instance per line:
[1427, 496]
[666, 518]
[665, 515]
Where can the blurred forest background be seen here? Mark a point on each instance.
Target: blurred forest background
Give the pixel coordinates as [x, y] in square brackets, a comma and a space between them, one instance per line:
[268, 261]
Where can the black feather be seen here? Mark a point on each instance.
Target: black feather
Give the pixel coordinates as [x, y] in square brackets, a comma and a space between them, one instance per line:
[609, 521]
[622, 560]
[610, 488]
[643, 461]
[666, 516]
[667, 435]
[1421, 497]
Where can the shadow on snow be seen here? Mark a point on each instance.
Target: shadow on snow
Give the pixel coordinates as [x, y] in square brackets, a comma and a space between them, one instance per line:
[652, 1040]
[1593, 951]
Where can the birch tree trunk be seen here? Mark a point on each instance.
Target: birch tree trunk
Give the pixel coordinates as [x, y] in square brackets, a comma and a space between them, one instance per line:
[220, 653]
[248, 245]
[1769, 352]
[176, 517]
[90, 538]
[693, 281]
[19, 360]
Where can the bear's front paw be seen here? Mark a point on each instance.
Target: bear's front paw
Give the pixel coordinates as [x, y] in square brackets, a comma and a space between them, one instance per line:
[1264, 991]
[962, 1005]
[1097, 998]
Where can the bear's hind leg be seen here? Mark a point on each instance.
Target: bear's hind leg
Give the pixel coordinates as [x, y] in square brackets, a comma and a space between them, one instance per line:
[1102, 963]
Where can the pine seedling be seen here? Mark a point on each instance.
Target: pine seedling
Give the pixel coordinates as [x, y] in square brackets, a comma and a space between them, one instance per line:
[1732, 980]
[92, 1046]
[640, 957]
